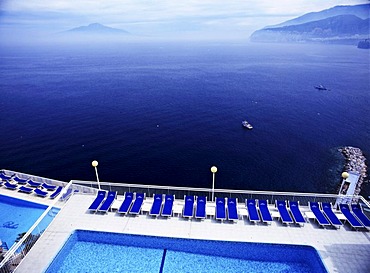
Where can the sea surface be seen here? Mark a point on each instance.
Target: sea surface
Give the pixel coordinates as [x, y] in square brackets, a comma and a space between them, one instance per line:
[163, 113]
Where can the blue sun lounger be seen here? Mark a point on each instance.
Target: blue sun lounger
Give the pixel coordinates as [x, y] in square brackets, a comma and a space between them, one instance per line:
[155, 210]
[200, 210]
[20, 180]
[56, 192]
[329, 213]
[344, 208]
[98, 200]
[252, 210]
[48, 187]
[232, 209]
[264, 211]
[168, 205]
[136, 206]
[188, 207]
[4, 177]
[358, 212]
[296, 213]
[126, 204]
[10, 186]
[220, 209]
[320, 217]
[39, 192]
[33, 183]
[108, 201]
[67, 194]
[25, 189]
[283, 211]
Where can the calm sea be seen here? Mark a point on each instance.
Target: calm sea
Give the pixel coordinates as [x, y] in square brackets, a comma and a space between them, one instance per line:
[164, 113]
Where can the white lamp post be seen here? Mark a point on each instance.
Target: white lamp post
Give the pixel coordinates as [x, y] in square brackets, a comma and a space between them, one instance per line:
[95, 164]
[213, 170]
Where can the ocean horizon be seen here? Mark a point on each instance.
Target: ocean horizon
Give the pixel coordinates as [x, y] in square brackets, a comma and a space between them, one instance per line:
[165, 113]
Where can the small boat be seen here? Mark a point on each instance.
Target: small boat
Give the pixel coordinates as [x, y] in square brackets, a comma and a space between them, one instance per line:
[321, 87]
[247, 125]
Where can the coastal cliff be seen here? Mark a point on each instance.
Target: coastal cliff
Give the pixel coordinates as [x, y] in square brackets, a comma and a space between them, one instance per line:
[337, 25]
[356, 162]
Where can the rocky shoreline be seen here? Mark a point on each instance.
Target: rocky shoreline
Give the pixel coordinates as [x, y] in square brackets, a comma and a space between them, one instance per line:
[356, 162]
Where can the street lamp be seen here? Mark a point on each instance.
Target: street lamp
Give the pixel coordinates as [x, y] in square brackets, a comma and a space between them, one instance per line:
[213, 170]
[95, 164]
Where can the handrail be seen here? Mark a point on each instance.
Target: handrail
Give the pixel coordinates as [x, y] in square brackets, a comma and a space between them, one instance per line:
[34, 176]
[14, 247]
[364, 200]
[215, 190]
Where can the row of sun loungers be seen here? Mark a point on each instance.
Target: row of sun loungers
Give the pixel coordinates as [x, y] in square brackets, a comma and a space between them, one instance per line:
[227, 209]
[29, 186]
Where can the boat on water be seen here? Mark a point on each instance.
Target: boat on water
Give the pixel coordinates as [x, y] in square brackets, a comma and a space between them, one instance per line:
[321, 87]
[247, 125]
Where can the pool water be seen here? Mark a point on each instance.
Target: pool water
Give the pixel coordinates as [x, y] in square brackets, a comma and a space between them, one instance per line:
[17, 216]
[91, 251]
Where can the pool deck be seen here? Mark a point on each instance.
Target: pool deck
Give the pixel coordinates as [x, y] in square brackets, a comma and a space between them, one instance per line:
[342, 250]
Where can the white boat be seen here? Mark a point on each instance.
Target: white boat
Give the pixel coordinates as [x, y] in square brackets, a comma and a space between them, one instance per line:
[321, 87]
[247, 125]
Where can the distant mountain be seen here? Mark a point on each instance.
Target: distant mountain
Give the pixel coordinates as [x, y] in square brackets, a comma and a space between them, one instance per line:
[351, 25]
[361, 11]
[97, 29]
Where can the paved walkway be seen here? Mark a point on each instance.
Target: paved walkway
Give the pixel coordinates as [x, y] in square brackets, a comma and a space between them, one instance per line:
[342, 250]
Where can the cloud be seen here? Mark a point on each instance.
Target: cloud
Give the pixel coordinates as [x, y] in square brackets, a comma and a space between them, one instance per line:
[159, 16]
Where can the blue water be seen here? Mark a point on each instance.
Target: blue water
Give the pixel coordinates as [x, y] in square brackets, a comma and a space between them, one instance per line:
[17, 216]
[91, 251]
[164, 113]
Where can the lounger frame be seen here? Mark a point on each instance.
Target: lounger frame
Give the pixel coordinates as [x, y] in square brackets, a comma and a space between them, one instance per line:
[283, 211]
[33, 183]
[351, 219]
[168, 205]
[97, 201]
[48, 187]
[138, 203]
[57, 191]
[297, 215]
[220, 208]
[126, 204]
[20, 180]
[107, 203]
[319, 216]
[253, 215]
[232, 209]
[327, 209]
[358, 212]
[25, 189]
[10, 186]
[264, 211]
[188, 211]
[155, 210]
[200, 210]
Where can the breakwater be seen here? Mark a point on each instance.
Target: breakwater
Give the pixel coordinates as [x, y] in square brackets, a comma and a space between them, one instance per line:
[356, 162]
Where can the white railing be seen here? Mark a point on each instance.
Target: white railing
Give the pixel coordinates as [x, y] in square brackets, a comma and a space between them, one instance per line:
[180, 192]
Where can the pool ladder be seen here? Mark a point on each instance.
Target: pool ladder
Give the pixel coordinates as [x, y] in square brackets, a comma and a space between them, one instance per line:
[53, 212]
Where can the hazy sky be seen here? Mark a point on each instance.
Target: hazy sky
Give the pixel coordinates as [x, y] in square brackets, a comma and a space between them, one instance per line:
[157, 18]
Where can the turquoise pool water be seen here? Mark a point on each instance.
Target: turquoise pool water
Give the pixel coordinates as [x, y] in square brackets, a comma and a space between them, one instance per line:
[91, 251]
[17, 216]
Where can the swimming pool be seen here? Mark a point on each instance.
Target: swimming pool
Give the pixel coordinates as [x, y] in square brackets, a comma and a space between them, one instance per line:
[91, 251]
[17, 216]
